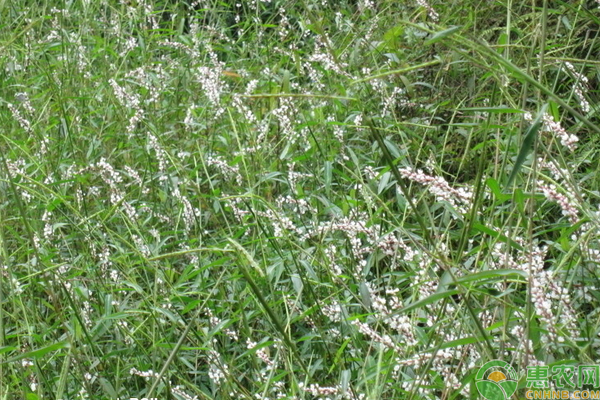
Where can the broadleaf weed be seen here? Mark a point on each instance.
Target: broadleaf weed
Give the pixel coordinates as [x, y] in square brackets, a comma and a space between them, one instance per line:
[294, 200]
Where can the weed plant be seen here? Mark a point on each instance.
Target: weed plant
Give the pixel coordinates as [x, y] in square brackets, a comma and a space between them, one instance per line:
[295, 199]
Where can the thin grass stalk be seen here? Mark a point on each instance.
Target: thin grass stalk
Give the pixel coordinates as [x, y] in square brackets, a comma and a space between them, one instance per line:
[268, 310]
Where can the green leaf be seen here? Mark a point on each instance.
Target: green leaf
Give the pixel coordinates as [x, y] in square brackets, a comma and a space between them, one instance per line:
[190, 306]
[383, 183]
[6, 349]
[428, 300]
[328, 170]
[519, 200]
[338, 355]
[40, 352]
[285, 84]
[528, 143]
[108, 388]
[118, 315]
[392, 37]
[393, 149]
[461, 342]
[477, 226]
[495, 326]
[247, 256]
[493, 110]
[490, 390]
[493, 274]
[502, 41]
[495, 188]
[64, 372]
[365, 295]
[441, 35]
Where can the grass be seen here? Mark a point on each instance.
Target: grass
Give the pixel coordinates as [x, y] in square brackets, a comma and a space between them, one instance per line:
[296, 200]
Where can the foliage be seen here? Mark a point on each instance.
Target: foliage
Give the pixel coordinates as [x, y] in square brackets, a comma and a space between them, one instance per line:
[295, 200]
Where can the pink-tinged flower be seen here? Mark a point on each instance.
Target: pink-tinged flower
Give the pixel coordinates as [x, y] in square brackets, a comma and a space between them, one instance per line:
[460, 198]
[568, 205]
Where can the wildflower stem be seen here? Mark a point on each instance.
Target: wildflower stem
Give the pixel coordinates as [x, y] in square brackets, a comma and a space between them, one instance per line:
[296, 95]
[390, 160]
[483, 48]
[397, 71]
[186, 252]
[269, 311]
[169, 360]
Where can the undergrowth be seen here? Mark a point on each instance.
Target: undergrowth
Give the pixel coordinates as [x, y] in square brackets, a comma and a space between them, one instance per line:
[295, 200]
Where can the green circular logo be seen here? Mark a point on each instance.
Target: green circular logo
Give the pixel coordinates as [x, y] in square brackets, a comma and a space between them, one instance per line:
[494, 384]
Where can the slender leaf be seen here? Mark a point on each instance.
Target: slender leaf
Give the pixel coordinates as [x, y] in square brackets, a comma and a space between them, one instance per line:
[528, 144]
[442, 34]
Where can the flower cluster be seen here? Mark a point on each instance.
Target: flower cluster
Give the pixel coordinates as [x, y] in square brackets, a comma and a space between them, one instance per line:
[430, 11]
[568, 205]
[218, 371]
[566, 139]
[387, 311]
[230, 172]
[178, 390]
[524, 350]
[386, 340]
[580, 87]
[261, 353]
[23, 122]
[216, 321]
[129, 100]
[460, 198]
[551, 300]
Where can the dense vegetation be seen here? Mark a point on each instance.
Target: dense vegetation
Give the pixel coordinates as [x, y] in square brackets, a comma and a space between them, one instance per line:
[295, 199]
